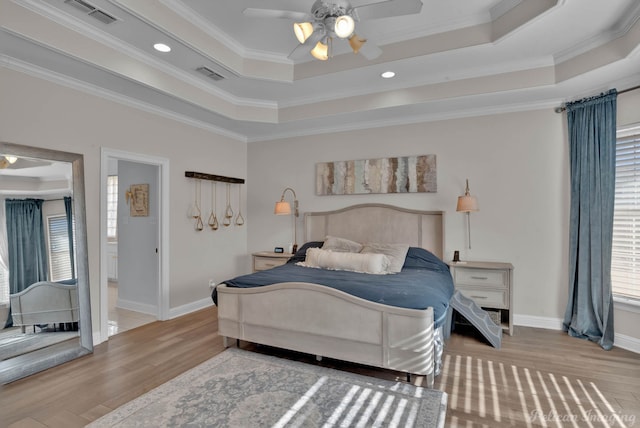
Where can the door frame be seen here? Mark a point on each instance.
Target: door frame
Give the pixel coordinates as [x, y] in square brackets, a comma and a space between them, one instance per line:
[107, 154]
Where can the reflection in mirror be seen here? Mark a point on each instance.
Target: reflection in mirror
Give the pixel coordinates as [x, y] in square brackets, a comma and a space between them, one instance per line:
[44, 281]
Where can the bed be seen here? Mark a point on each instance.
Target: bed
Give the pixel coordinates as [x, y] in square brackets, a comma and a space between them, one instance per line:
[45, 302]
[300, 314]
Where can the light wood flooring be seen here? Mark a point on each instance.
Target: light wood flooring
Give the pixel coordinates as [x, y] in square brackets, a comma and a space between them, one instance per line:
[121, 320]
[538, 378]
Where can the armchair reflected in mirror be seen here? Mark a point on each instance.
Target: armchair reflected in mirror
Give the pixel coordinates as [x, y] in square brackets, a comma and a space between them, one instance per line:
[44, 278]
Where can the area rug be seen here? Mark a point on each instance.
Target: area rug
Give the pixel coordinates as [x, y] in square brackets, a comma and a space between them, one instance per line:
[239, 388]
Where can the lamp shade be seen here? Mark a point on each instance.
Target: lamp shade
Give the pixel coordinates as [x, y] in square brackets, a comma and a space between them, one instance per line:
[467, 203]
[344, 26]
[282, 208]
[320, 51]
[302, 31]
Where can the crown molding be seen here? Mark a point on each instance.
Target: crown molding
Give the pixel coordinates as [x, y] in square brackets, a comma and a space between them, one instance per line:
[60, 79]
[408, 120]
[93, 33]
[623, 28]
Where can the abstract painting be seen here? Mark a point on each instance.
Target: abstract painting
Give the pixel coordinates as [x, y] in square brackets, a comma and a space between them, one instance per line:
[406, 174]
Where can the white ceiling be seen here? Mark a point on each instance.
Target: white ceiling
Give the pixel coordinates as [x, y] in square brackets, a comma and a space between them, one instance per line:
[455, 58]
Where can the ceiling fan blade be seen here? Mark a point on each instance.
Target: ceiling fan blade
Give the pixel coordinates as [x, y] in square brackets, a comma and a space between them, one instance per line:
[360, 3]
[387, 9]
[303, 49]
[274, 13]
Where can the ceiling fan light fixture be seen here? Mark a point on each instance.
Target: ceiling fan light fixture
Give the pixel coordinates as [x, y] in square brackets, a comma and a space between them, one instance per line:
[356, 43]
[320, 51]
[303, 30]
[11, 159]
[344, 26]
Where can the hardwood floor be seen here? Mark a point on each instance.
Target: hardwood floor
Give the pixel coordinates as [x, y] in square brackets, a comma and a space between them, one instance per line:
[538, 378]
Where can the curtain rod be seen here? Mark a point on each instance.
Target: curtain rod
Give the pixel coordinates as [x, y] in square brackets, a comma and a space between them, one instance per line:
[563, 108]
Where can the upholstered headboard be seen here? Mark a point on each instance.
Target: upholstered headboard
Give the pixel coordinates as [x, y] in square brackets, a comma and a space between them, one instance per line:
[380, 223]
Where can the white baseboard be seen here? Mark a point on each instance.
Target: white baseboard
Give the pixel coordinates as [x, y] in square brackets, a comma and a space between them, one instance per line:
[620, 340]
[627, 342]
[137, 307]
[190, 307]
[537, 322]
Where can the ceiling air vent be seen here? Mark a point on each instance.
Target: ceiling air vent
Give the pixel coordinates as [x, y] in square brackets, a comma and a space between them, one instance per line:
[210, 73]
[81, 5]
[103, 17]
[92, 11]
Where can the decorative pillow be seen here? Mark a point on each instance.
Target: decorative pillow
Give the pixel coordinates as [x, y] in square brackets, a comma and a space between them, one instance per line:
[419, 258]
[355, 262]
[395, 252]
[343, 245]
[300, 255]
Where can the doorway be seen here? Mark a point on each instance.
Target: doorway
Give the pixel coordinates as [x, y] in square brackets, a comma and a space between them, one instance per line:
[133, 272]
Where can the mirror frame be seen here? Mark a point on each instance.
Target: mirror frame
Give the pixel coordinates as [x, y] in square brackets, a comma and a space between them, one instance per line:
[62, 354]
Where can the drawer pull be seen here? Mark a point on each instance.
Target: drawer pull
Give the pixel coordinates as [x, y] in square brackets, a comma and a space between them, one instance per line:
[479, 277]
[478, 297]
[270, 264]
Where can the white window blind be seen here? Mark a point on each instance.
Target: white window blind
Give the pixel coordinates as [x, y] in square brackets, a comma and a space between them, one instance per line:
[625, 260]
[112, 207]
[4, 287]
[59, 259]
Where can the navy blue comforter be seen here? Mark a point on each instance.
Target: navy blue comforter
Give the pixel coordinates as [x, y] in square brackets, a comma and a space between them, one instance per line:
[424, 282]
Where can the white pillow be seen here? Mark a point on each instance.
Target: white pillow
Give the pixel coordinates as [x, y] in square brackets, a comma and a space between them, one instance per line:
[355, 262]
[395, 252]
[333, 243]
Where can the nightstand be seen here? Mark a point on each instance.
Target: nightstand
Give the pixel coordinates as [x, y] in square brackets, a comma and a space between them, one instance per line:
[490, 285]
[264, 260]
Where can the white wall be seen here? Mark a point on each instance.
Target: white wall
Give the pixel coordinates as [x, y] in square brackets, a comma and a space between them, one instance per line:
[40, 113]
[517, 165]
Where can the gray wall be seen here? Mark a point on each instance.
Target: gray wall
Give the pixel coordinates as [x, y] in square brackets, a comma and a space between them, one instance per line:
[138, 261]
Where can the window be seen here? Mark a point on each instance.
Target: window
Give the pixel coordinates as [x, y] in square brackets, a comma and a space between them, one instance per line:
[112, 208]
[625, 259]
[4, 287]
[59, 259]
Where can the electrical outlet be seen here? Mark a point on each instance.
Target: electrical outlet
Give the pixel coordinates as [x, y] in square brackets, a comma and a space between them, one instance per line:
[212, 284]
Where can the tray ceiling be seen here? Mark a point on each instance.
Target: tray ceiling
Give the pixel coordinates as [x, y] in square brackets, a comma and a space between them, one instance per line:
[453, 59]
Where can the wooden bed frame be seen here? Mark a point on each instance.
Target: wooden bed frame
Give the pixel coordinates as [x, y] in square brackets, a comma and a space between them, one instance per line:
[322, 321]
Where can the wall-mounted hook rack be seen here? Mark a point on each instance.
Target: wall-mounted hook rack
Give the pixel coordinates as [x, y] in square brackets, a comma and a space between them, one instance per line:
[204, 176]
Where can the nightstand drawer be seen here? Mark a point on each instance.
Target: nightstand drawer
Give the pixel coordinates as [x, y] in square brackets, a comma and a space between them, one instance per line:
[486, 297]
[484, 277]
[264, 263]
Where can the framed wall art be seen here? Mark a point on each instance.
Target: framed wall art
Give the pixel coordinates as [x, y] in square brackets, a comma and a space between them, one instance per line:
[406, 174]
[138, 199]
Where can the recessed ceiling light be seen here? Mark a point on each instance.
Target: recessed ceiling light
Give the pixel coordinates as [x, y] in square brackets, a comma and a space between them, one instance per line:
[161, 47]
[388, 74]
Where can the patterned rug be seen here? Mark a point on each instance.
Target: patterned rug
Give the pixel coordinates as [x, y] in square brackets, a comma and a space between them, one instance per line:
[240, 388]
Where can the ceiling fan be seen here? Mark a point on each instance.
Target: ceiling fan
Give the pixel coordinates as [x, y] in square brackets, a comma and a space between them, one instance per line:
[15, 162]
[331, 19]
[7, 160]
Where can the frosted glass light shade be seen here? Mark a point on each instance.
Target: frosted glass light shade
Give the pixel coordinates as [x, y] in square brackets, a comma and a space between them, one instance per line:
[302, 31]
[356, 43]
[320, 51]
[344, 26]
[282, 208]
[11, 159]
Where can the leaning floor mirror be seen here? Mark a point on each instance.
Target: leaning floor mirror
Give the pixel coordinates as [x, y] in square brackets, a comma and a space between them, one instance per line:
[45, 310]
